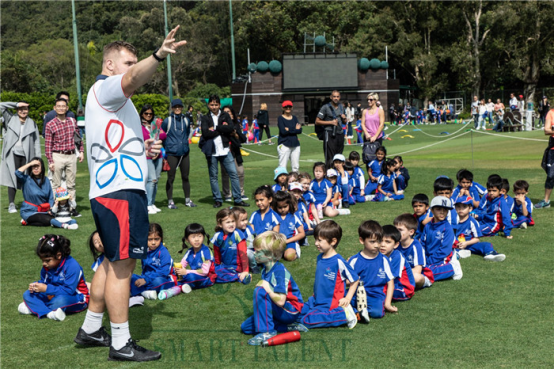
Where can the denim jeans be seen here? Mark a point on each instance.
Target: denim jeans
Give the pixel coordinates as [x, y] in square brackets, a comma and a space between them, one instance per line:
[229, 163]
[154, 172]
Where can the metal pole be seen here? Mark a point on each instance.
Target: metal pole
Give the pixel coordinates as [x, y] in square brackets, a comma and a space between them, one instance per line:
[76, 52]
[249, 73]
[232, 39]
[472, 162]
[169, 79]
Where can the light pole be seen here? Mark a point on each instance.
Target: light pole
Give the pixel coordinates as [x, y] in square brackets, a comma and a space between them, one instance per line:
[168, 57]
[232, 39]
[76, 52]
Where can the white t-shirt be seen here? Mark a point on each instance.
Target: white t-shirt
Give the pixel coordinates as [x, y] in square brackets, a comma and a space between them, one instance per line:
[115, 145]
[220, 150]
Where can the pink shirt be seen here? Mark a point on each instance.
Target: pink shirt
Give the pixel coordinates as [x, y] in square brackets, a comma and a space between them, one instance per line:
[372, 122]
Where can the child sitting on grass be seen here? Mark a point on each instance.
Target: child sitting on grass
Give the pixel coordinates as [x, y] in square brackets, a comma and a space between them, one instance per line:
[62, 209]
[330, 304]
[402, 174]
[523, 207]
[307, 194]
[197, 266]
[422, 213]
[494, 215]
[241, 218]
[386, 187]
[443, 186]
[357, 181]
[467, 187]
[281, 179]
[291, 226]
[277, 299]
[374, 169]
[404, 283]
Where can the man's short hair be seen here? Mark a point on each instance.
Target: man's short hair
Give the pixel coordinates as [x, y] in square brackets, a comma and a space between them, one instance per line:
[443, 183]
[407, 220]
[118, 46]
[328, 230]
[370, 229]
[60, 99]
[421, 198]
[214, 98]
[62, 93]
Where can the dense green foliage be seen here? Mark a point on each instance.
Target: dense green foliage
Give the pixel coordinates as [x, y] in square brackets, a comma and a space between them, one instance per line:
[436, 46]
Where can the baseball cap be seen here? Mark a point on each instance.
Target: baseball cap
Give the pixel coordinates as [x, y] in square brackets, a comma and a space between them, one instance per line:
[295, 186]
[332, 173]
[279, 171]
[442, 202]
[286, 103]
[62, 194]
[464, 200]
[176, 102]
[339, 157]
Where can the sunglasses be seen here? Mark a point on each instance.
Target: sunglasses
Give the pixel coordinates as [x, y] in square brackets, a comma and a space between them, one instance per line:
[288, 107]
[370, 99]
[146, 113]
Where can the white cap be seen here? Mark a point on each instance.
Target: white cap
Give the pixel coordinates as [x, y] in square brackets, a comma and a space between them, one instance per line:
[295, 186]
[339, 157]
[332, 173]
[441, 201]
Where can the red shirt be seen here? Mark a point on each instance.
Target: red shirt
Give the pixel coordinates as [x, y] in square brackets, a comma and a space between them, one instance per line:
[59, 136]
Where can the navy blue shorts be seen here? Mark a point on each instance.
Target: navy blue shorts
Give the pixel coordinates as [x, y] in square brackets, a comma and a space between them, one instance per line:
[122, 221]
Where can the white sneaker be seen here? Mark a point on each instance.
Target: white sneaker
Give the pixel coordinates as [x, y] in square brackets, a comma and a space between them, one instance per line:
[11, 208]
[458, 274]
[463, 254]
[369, 197]
[151, 210]
[57, 315]
[351, 317]
[344, 211]
[150, 295]
[156, 208]
[23, 309]
[186, 288]
[136, 301]
[495, 257]
[73, 226]
[523, 226]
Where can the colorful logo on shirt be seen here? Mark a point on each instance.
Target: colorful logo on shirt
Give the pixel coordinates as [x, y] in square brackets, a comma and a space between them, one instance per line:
[381, 273]
[114, 134]
[329, 274]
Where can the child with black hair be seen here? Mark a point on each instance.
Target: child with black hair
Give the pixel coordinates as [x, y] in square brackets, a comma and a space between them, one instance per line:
[443, 186]
[386, 187]
[265, 218]
[494, 215]
[404, 282]
[467, 187]
[322, 189]
[157, 268]
[197, 268]
[308, 196]
[374, 170]
[61, 288]
[241, 218]
[292, 177]
[63, 207]
[281, 179]
[349, 169]
[334, 208]
[290, 225]
[343, 178]
[357, 180]
[507, 198]
[523, 207]
[401, 172]
[422, 213]
[330, 304]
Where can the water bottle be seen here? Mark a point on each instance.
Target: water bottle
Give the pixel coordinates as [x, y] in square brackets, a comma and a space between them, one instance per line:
[169, 293]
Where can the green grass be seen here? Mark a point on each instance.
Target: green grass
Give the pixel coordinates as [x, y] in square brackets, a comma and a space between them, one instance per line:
[498, 315]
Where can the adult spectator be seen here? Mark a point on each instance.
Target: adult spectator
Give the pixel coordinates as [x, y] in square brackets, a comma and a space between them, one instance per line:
[52, 113]
[118, 196]
[475, 112]
[499, 105]
[548, 161]
[81, 121]
[288, 146]
[373, 120]
[37, 193]
[59, 145]
[513, 102]
[150, 129]
[544, 108]
[177, 128]
[350, 117]
[263, 122]
[521, 104]
[217, 129]
[21, 143]
[499, 115]
[189, 114]
[237, 139]
[329, 128]
[359, 111]
[490, 110]
[392, 114]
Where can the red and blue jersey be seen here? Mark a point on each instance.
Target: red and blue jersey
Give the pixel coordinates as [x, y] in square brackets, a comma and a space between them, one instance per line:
[245, 125]
[402, 273]
[469, 229]
[331, 275]
[66, 279]
[374, 273]
[437, 240]
[518, 209]
[269, 221]
[97, 263]
[497, 213]
[414, 254]
[255, 124]
[158, 263]
[319, 190]
[281, 281]
[230, 250]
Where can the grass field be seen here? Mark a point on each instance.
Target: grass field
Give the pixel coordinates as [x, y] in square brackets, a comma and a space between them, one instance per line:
[498, 315]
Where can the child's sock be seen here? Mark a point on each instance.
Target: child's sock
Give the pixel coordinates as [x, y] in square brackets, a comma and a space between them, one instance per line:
[93, 322]
[120, 334]
[427, 282]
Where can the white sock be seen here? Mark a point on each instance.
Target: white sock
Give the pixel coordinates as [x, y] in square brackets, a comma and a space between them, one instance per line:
[427, 282]
[93, 322]
[120, 335]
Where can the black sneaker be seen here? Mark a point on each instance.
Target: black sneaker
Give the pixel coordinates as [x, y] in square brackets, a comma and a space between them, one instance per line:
[133, 352]
[98, 338]
[75, 213]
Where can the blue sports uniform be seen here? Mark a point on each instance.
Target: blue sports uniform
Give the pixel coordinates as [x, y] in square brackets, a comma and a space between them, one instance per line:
[302, 209]
[402, 178]
[249, 236]
[344, 187]
[437, 240]
[230, 254]
[65, 289]
[270, 220]
[198, 277]
[468, 230]
[357, 182]
[289, 227]
[322, 309]
[269, 316]
[452, 216]
[476, 191]
[375, 167]
[157, 271]
[404, 282]
[375, 274]
[277, 187]
[319, 190]
[415, 256]
[387, 185]
[495, 217]
[97, 263]
[517, 216]
[420, 225]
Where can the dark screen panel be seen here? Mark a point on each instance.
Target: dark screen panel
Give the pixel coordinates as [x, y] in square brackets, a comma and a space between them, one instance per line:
[320, 71]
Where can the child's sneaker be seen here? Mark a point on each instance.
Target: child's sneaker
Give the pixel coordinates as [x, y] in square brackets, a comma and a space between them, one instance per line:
[297, 327]
[261, 337]
[361, 302]
[458, 274]
[351, 317]
[523, 225]
[150, 295]
[542, 204]
[369, 197]
[23, 309]
[58, 315]
[247, 279]
[186, 288]
[23, 222]
[494, 256]
[464, 254]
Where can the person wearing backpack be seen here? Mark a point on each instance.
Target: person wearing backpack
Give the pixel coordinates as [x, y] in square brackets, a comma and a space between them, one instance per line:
[328, 127]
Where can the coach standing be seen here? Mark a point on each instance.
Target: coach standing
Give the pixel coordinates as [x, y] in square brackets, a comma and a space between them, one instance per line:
[117, 165]
[328, 126]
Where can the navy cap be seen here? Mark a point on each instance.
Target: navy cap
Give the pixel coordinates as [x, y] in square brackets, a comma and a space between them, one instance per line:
[176, 102]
